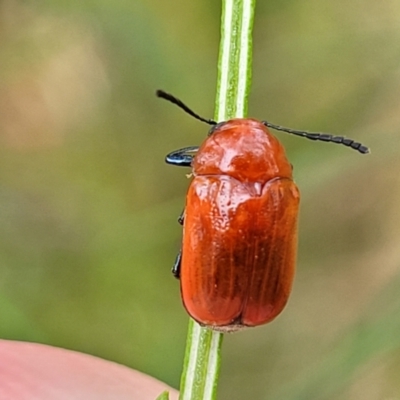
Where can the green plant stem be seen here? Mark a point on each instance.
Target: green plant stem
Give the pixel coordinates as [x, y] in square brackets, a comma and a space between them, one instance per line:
[235, 59]
[203, 349]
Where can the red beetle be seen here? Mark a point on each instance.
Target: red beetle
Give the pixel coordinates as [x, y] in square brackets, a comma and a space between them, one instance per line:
[238, 257]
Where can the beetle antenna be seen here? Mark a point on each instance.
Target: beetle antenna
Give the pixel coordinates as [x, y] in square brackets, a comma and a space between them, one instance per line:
[324, 137]
[180, 104]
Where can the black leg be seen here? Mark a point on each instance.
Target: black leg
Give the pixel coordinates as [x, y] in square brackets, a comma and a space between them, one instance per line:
[182, 157]
[176, 269]
[181, 217]
[177, 264]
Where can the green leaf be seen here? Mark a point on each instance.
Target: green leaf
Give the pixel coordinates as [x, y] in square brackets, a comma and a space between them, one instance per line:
[163, 396]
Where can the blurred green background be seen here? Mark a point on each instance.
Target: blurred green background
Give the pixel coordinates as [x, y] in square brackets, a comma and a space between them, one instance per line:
[88, 207]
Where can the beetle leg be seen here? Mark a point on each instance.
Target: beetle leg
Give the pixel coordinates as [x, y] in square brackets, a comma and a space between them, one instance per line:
[176, 269]
[181, 217]
[181, 157]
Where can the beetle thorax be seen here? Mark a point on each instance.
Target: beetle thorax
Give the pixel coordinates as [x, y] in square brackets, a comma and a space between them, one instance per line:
[243, 149]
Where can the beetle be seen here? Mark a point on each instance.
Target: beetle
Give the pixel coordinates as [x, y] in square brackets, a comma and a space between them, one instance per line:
[238, 255]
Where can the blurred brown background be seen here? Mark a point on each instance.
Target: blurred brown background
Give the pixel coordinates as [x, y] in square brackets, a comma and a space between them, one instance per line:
[88, 208]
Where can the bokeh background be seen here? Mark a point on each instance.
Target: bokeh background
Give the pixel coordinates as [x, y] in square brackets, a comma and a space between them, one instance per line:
[88, 229]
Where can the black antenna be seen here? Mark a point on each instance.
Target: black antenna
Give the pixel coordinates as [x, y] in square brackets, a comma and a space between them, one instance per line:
[324, 137]
[179, 103]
